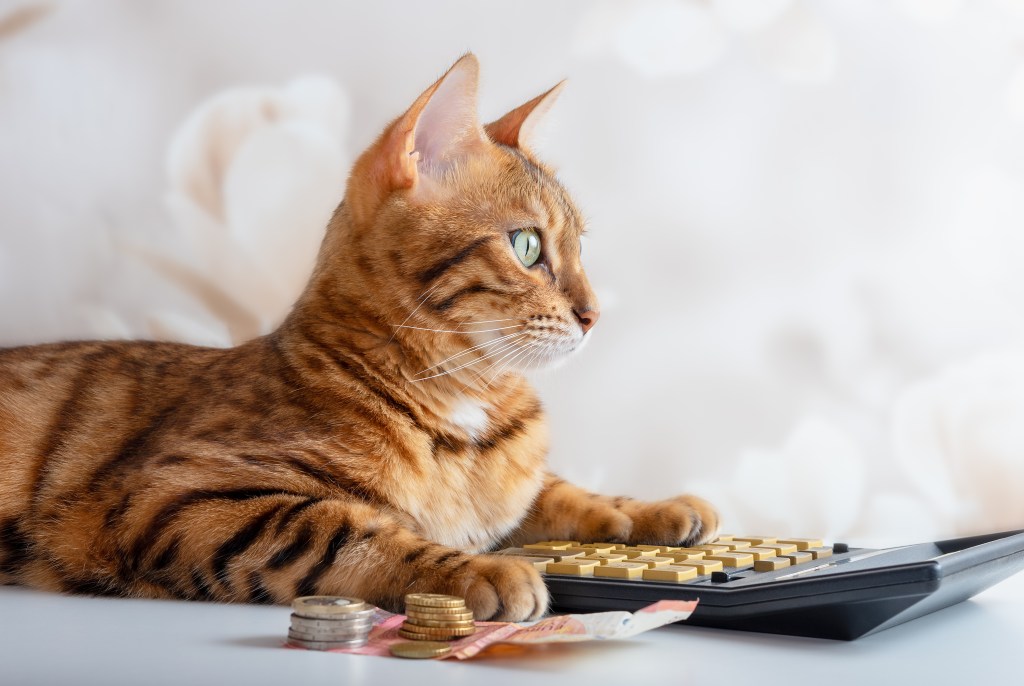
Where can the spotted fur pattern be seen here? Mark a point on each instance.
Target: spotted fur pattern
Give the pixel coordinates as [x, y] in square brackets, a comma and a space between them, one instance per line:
[381, 441]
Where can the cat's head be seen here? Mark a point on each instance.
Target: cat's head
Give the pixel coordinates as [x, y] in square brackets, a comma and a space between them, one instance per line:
[462, 238]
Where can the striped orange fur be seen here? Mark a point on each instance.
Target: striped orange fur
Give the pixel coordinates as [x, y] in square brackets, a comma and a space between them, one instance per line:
[381, 441]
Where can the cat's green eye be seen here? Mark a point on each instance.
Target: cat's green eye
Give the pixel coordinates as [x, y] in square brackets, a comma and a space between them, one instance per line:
[526, 243]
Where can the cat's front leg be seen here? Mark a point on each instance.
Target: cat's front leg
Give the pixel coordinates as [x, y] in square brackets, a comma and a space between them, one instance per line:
[563, 511]
[258, 545]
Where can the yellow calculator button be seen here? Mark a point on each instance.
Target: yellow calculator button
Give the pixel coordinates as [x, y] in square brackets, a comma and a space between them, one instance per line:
[712, 549]
[798, 558]
[670, 573]
[733, 559]
[573, 567]
[818, 553]
[621, 570]
[733, 545]
[803, 543]
[724, 537]
[539, 562]
[692, 551]
[568, 543]
[652, 561]
[632, 552]
[556, 555]
[780, 548]
[548, 545]
[604, 558]
[770, 564]
[759, 553]
[653, 548]
[681, 556]
[599, 548]
[755, 540]
[702, 566]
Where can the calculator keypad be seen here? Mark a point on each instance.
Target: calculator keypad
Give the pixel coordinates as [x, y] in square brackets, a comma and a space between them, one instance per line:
[728, 553]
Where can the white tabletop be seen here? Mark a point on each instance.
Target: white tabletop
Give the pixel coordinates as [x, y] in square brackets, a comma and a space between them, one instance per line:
[52, 639]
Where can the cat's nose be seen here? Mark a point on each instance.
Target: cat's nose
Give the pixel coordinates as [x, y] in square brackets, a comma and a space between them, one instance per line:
[587, 318]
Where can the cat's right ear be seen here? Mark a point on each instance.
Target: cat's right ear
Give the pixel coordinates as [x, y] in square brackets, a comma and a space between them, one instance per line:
[439, 129]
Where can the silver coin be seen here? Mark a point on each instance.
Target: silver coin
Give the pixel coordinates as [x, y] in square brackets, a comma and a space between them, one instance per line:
[334, 636]
[326, 645]
[328, 605]
[345, 616]
[347, 629]
[299, 620]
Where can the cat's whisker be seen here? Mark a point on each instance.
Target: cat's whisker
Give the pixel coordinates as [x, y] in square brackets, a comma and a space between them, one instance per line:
[424, 328]
[492, 321]
[420, 300]
[505, 362]
[506, 346]
[467, 351]
[491, 365]
[508, 363]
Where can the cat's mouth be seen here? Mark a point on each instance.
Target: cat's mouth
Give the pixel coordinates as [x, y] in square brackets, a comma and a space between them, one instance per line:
[541, 344]
[536, 343]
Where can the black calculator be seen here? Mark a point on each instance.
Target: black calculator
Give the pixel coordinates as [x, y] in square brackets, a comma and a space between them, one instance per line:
[778, 585]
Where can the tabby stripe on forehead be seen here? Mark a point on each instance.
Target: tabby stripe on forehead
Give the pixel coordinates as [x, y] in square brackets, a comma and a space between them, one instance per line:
[552, 185]
[240, 542]
[444, 265]
[307, 585]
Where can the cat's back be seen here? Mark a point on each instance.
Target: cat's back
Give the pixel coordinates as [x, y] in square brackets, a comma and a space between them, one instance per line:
[66, 397]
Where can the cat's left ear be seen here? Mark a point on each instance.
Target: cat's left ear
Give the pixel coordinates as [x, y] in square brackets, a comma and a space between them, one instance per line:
[517, 127]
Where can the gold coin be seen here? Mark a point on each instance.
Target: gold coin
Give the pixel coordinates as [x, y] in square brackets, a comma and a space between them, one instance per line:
[421, 650]
[436, 632]
[413, 636]
[434, 600]
[439, 616]
[458, 624]
[327, 605]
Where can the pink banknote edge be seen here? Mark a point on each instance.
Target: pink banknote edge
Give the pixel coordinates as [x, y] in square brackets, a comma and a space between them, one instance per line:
[598, 626]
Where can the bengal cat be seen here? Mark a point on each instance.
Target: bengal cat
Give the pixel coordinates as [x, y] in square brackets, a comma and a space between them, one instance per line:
[377, 443]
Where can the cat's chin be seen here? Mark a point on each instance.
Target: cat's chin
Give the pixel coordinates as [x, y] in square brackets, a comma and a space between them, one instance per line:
[552, 356]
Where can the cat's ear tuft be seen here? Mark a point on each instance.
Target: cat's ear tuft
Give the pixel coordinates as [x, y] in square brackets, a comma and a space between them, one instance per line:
[439, 129]
[517, 127]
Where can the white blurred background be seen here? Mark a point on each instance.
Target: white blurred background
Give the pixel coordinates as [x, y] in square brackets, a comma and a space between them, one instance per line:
[806, 220]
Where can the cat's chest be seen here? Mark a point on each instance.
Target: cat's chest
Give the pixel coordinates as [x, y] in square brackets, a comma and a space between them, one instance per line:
[472, 492]
[470, 417]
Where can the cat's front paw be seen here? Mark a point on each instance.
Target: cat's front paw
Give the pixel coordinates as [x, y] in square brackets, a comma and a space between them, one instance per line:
[504, 590]
[683, 520]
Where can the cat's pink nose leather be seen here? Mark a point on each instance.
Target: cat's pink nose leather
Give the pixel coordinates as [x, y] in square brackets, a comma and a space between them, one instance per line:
[587, 319]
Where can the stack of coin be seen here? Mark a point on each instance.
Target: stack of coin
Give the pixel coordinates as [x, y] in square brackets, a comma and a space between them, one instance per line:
[322, 622]
[433, 617]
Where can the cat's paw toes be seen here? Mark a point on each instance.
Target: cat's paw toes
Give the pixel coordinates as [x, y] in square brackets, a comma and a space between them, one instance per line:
[683, 520]
[604, 524]
[504, 590]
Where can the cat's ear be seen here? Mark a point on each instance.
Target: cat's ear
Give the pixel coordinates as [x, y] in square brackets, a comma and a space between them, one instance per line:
[439, 129]
[516, 128]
